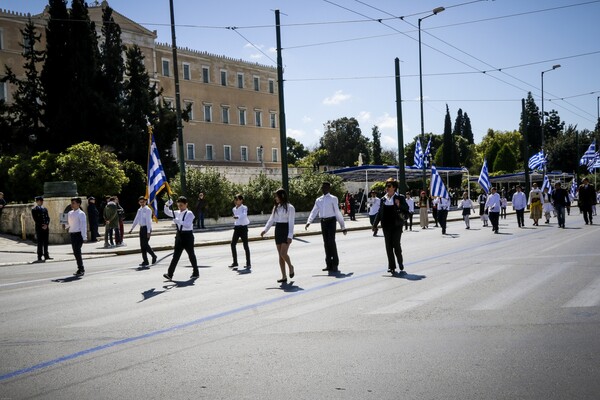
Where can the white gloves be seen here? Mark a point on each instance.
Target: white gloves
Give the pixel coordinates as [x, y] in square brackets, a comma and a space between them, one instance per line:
[169, 203]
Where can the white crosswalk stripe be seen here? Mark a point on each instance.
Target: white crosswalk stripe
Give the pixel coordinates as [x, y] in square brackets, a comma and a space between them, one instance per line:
[588, 297]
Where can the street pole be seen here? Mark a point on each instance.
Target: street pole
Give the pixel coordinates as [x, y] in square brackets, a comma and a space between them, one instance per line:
[435, 11]
[178, 105]
[401, 171]
[282, 128]
[543, 115]
[525, 145]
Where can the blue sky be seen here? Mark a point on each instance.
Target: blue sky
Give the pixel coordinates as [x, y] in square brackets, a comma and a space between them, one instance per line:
[339, 58]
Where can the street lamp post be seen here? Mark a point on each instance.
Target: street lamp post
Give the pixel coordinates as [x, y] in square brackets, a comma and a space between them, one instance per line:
[435, 11]
[543, 116]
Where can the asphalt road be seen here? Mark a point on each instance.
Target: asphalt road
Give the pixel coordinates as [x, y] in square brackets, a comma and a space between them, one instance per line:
[477, 316]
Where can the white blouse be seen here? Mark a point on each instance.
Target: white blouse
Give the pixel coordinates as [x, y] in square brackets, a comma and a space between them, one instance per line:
[241, 215]
[281, 216]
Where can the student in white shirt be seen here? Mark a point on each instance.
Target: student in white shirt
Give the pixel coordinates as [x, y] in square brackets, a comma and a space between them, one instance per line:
[373, 204]
[143, 218]
[328, 210]
[411, 211]
[283, 217]
[443, 208]
[493, 206]
[184, 239]
[467, 205]
[519, 203]
[77, 226]
[240, 230]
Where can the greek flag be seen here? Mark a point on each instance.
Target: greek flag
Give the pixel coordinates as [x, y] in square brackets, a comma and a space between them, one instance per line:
[537, 161]
[594, 164]
[573, 190]
[427, 150]
[589, 156]
[546, 184]
[437, 184]
[484, 178]
[418, 155]
[157, 180]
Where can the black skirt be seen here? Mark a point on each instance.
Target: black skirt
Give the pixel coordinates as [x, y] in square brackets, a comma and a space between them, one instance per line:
[281, 232]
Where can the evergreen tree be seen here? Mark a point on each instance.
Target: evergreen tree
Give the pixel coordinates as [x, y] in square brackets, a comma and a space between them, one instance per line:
[376, 146]
[553, 126]
[506, 160]
[448, 148]
[534, 127]
[467, 130]
[491, 155]
[55, 77]
[344, 141]
[459, 123]
[26, 109]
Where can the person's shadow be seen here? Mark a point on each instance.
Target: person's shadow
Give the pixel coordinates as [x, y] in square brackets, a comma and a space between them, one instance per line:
[67, 279]
[150, 293]
[179, 284]
[288, 287]
[406, 275]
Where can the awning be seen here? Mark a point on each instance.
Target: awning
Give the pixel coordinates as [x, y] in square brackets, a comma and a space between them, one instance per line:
[375, 173]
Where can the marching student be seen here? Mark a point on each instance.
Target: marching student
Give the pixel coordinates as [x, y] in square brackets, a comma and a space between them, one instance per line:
[535, 204]
[373, 206]
[443, 208]
[283, 217]
[481, 199]
[240, 230]
[467, 205]
[519, 202]
[547, 207]
[493, 206]
[184, 238]
[411, 211]
[586, 200]
[423, 205]
[42, 232]
[143, 218]
[77, 226]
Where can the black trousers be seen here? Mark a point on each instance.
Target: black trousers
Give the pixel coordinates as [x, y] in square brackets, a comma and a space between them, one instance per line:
[587, 213]
[240, 232]
[393, 249]
[76, 244]
[184, 240]
[520, 217]
[94, 230]
[42, 242]
[408, 221]
[442, 216]
[494, 217]
[145, 245]
[331, 255]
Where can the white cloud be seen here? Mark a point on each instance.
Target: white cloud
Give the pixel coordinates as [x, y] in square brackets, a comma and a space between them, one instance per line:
[337, 98]
[296, 133]
[364, 117]
[386, 121]
[387, 142]
[306, 119]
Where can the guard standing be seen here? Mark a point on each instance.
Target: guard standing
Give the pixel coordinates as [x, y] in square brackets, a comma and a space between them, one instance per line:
[42, 222]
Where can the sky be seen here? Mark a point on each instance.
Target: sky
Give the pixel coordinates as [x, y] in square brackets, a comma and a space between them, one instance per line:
[481, 56]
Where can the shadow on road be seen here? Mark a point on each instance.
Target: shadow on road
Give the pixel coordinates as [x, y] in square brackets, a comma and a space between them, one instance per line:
[179, 284]
[406, 275]
[287, 287]
[67, 279]
[150, 293]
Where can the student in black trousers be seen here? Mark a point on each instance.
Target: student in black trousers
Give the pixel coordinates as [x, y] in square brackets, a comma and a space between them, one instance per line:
[240, 230]
[143, 217]
[392, 203]
[42, 221]
[77, 226]
[184, 239]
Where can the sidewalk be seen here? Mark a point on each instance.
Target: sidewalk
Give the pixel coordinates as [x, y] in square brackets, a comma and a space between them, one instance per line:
[14, 251]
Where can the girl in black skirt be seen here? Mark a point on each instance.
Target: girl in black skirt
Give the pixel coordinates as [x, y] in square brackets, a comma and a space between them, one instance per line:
[283, 217]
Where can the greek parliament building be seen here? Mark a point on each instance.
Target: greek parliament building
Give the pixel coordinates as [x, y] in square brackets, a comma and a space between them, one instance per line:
[234, 104]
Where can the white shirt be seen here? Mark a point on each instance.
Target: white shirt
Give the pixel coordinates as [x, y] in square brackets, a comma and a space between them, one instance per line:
[326, 206]
[143, 218]
[443, 203]
[465, 203]
[503, 202]
[77, 222]
[519, 201]
[281, 216]
[493, 202]
[411, 205]
[374, 204]
[183, 219]
[536, 190]
[241, 213]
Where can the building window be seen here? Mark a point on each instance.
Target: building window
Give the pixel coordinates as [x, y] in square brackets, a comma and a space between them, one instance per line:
[168, 102]
[240, 80]
[227, 152]
[256, 83]
[271, 86]
[259, 154]
[207, 113]
[191, 151]
[258, 118]
[187, 75]
[166, 68]
[189, 107]
[242, 116]
[1, 39]
[223, 78]
[244, 153]
[3, 94]
[28, 44]
[205, 75]
[209, 152]
[225, 115]
[273, 118]
[275, 155]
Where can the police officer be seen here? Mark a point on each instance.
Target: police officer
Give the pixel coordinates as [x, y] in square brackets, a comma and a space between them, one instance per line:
[42, 222]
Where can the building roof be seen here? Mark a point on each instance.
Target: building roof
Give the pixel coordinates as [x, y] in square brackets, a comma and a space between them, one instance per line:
[383, 172]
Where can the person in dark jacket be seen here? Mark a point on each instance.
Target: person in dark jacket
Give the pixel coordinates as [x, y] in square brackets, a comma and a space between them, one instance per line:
[560, 200]
[93, 217]
[586, 199]
[42, 231]
[392, 214]
[200, 210]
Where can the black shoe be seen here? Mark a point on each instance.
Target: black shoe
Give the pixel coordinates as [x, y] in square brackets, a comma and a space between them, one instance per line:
[325, 269]
[392, 270]
[443, 231]
[144, 264]
[39, 260]
[195, 276]
[153, 260]
[48, 258]
[292, 274]
[234, 265]
[247, 266]
[79, 272]
[167, 277]
[284, 280]
[401, 267]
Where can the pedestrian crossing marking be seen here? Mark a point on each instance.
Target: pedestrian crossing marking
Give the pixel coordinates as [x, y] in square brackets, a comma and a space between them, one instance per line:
[588, 297]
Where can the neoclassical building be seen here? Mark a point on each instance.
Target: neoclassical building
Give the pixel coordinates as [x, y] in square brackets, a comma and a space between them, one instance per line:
[234, 103]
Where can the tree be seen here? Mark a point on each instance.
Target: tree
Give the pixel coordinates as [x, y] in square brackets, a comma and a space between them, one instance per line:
[295, 150]
[258, 194]
[459, 123]
[95, 170]
[505, 160]
[314, 159]
[448, 148]
[562, 151]
[306, 188]
[493, 141]
[344, 141]
[389, 157]
[26, 109]
[531, 121]
[467, 132]
[26, 175]
[376, 146]
[553, 126]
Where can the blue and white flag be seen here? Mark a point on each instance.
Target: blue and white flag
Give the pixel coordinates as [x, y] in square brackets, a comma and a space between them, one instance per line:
[437, 184]
[427, 151]
[484, 178]
[590, 155]
[418, 160]
[157, 180]
[537, 161]
[573, 190]
[594, 164]
[546, 184]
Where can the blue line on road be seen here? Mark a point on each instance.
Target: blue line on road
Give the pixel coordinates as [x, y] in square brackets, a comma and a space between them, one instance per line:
[226, 313]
